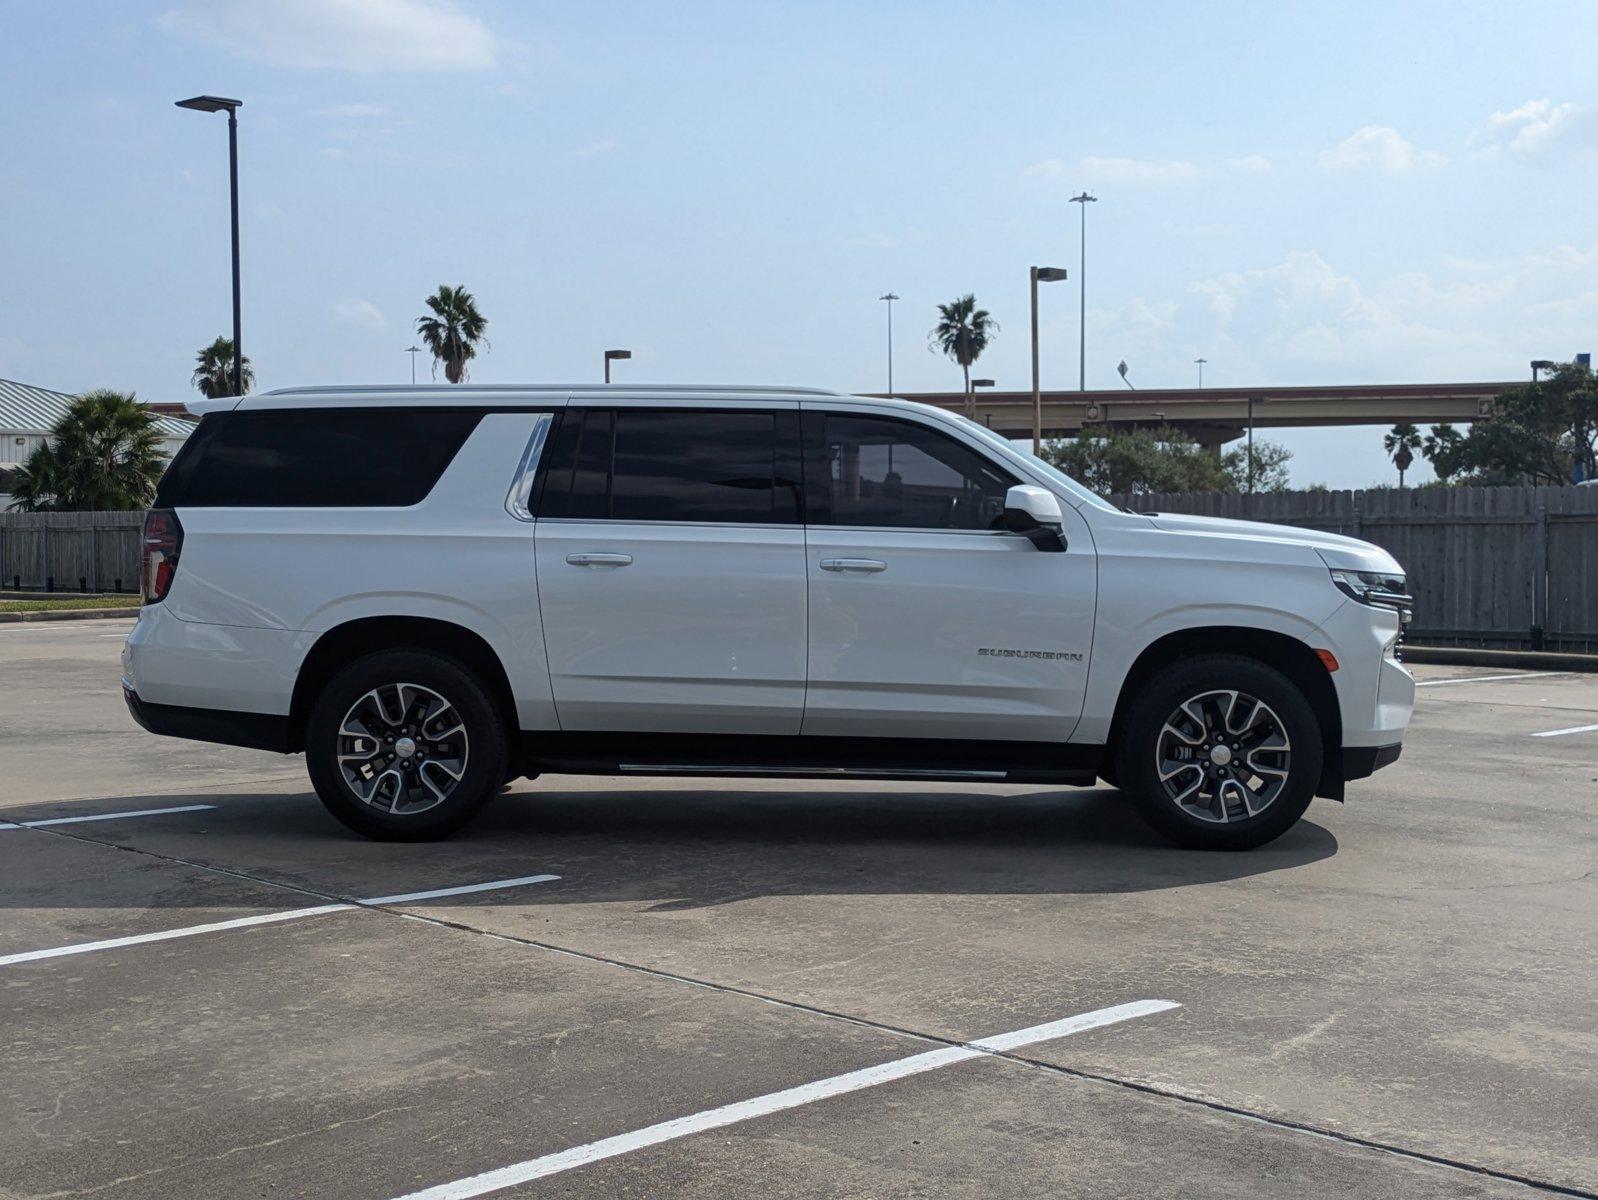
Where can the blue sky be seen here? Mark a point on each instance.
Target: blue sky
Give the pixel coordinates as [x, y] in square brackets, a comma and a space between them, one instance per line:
[1300, 193]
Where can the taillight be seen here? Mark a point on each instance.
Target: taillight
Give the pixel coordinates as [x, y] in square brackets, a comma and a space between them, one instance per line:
[163, 540]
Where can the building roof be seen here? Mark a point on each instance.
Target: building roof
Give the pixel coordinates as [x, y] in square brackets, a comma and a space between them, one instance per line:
[26, 408]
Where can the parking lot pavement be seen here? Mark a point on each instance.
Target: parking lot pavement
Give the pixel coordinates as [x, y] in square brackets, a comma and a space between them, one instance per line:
[65, 732]
[1412, 970]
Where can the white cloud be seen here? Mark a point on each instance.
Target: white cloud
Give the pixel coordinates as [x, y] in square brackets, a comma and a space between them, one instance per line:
[362, 314]
[349, 35]
[603, 146]
[1380, 148]
[1538, 128]
[1251, 163]
[1302, 320]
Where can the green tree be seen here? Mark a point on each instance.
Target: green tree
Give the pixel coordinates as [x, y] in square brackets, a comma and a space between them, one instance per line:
[213, 370]
[105, 453]
[1140, 461]
[1544, 433]
[1443, 447]
[963, 332]
[1401, 443]
[454, 331]
[1270, 466]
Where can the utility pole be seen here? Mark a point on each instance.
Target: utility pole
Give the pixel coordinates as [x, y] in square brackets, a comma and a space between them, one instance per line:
[1082, 281]
[890, 297]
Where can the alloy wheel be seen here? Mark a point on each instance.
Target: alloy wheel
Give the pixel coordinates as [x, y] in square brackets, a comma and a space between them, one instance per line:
[402, 748]
[1223, 756]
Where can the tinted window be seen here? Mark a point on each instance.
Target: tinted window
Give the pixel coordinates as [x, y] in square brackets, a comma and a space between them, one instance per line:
[670, 465]
[878, 471]
[315, 458]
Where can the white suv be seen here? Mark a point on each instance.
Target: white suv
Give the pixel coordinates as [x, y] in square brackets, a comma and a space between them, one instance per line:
[433, 590]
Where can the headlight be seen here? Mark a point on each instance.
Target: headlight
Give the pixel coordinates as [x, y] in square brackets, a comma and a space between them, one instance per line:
[1376, 589]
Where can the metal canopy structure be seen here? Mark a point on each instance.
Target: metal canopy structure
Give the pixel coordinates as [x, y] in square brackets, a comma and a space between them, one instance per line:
[1211, 416]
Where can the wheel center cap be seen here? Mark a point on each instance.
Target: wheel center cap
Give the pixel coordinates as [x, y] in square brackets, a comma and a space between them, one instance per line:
[1221, 755]
[405, 747]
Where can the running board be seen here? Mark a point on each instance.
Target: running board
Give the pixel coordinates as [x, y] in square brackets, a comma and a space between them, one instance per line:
[782, 772]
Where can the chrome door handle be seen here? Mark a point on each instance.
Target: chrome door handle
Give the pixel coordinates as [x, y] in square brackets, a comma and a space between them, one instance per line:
[868, 566]
[599, 560]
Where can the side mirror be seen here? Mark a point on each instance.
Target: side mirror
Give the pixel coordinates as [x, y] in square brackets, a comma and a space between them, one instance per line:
[1034, 513]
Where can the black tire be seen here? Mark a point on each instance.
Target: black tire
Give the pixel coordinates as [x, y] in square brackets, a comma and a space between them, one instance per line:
[484, 746]
[1140, 744]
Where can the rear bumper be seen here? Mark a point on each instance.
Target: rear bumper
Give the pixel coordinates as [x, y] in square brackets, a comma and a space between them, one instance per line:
[258, 731]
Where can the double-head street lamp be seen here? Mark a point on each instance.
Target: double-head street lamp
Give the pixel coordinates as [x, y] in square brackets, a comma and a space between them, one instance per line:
[1201, 362]
[612, 356]
[216, 104]
[1039, 275]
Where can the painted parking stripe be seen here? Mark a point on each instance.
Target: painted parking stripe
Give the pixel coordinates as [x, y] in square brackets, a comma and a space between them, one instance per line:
[116, 816]
[794, 1097]
[293, 914]
[1491, 678]
[438, 893]
[1562, 732]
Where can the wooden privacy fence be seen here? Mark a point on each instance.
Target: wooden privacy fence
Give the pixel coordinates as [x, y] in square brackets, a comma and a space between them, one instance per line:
[1505, 567]
[70, 551]
[1498, 567]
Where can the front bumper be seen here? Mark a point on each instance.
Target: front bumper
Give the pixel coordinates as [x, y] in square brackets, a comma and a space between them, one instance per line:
[1360, 761]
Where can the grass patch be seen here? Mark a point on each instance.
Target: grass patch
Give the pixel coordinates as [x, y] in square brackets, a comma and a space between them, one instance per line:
[69, 602]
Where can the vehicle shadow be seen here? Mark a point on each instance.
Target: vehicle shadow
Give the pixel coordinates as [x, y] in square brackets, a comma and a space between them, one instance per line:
[691, 847]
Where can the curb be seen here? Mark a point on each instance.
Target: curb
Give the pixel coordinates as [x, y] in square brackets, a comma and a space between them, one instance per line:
[1531, 660]
[66, 614]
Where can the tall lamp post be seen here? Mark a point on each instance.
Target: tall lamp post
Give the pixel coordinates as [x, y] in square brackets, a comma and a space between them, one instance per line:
[1082, 280]
[1039, 275]
[982, 383]
[413, 351]
[215, 104]
[612, 356]
[1201, 362]
[890, 297]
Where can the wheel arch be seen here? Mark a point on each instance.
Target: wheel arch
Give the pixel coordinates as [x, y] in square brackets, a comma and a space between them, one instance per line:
[343, 644]
[1285, 653]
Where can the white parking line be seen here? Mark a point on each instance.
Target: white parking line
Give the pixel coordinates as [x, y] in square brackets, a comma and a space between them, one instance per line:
[293, 914]
[116, 816]
[1492, 678]
[760, 1106]
[1562, 732]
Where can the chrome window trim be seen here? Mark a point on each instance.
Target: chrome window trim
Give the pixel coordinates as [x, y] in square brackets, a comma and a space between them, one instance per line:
[518, 500]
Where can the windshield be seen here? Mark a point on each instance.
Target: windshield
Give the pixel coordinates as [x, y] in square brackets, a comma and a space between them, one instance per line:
[1053, 472]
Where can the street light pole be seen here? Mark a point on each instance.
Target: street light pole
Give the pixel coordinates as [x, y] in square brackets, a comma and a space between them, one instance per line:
[890, 297]
[1201, 362]
[1082, 281]
[612, 356]
[413, 352]
[1046, 275]
[212, 104]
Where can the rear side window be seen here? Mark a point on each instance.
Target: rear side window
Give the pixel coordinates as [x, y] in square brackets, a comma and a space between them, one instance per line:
[650, 464]
[315, 458]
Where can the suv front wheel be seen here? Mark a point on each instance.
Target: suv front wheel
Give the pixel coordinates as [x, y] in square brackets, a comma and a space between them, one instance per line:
[405, 745]
[1220, 752]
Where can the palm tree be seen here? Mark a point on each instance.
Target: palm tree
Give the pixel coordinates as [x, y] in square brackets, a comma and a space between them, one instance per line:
[1401, 442]
[104, 454]
[963, 332]
[213, 371]
[454, 330]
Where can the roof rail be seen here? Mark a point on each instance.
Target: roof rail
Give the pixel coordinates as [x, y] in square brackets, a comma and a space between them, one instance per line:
[503, 388]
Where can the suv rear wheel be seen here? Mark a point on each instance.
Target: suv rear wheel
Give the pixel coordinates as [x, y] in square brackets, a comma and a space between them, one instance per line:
[405, 745]
[1220, 753]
